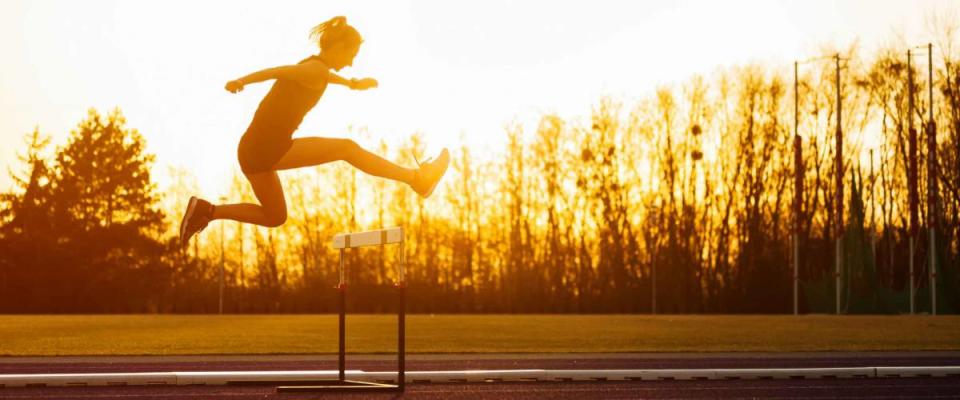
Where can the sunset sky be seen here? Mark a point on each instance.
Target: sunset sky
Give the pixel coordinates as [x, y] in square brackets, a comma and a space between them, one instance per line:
[454, 70]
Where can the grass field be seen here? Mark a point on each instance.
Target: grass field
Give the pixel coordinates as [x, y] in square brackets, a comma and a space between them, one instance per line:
[35, 335]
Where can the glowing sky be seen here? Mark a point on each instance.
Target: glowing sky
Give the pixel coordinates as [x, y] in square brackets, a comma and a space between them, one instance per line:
[450, 69]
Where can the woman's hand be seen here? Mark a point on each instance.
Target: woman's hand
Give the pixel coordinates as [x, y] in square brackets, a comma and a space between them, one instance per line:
[234, 86]
[363, 84]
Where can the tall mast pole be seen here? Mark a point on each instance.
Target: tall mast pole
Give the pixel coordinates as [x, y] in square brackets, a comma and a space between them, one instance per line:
[912, 177]
[839, 183]
[932, 183]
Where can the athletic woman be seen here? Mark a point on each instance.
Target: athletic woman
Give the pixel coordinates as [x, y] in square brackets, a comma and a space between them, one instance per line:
[267, 146]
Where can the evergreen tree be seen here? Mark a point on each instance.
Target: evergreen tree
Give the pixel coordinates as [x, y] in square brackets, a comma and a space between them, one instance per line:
[25, 226]
[83, 234]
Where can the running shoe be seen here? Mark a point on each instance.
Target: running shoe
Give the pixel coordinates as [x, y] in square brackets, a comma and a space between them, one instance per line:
[425, 178]
[198, 215]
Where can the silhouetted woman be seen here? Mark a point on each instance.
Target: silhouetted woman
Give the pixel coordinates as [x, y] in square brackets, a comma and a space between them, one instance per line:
[267, 146]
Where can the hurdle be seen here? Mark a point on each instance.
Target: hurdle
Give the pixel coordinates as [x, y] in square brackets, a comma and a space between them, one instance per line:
[344, 241]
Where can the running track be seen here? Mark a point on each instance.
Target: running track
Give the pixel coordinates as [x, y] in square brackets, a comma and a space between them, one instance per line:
[795, 388]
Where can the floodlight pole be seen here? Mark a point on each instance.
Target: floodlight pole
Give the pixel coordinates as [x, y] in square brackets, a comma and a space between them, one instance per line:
[798, 185]
[243, 280]
[653, 267]
[873, 211]
[839, 177]
[911, 177]
[798, 181]
[932, 183]
[222, 262]
[653, 283]
[932, 197]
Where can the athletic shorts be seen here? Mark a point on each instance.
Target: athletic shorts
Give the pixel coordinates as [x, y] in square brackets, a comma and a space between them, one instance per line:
[259, 150]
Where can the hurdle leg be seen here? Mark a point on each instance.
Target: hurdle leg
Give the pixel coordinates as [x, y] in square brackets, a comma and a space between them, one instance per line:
[342, 289]
[401, 317]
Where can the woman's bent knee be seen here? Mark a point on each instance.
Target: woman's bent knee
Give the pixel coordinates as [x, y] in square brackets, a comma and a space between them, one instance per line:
[275, 220]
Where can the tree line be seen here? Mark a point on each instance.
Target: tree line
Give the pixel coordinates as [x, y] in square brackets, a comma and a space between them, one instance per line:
[679, 202]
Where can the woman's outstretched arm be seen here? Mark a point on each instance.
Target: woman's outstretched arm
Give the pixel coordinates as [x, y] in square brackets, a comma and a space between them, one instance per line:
[259, 76]
[353, 83]
[311, 74]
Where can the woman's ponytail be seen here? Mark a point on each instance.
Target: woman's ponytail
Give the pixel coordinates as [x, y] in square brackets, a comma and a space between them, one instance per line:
[334, 30]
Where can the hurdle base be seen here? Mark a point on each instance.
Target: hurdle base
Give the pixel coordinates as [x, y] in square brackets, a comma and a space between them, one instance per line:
[337, 385]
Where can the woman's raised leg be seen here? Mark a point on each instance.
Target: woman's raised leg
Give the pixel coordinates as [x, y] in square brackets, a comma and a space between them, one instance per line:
[272, 210]
[312, 151]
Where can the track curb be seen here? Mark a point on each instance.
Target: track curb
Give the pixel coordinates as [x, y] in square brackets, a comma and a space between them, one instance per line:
[521, 375]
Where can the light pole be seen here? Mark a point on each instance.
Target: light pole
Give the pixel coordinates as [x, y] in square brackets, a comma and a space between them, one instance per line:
[912, 175]
[653, 263]
[932, 203]
[873, 224]
[222, 260]
[932, 183]
[243, 280]
[839, 175]
[696, 156]
[798, 180]
[797, 185]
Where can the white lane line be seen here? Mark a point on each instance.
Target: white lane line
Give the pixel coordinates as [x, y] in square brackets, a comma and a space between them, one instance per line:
[228, 377]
